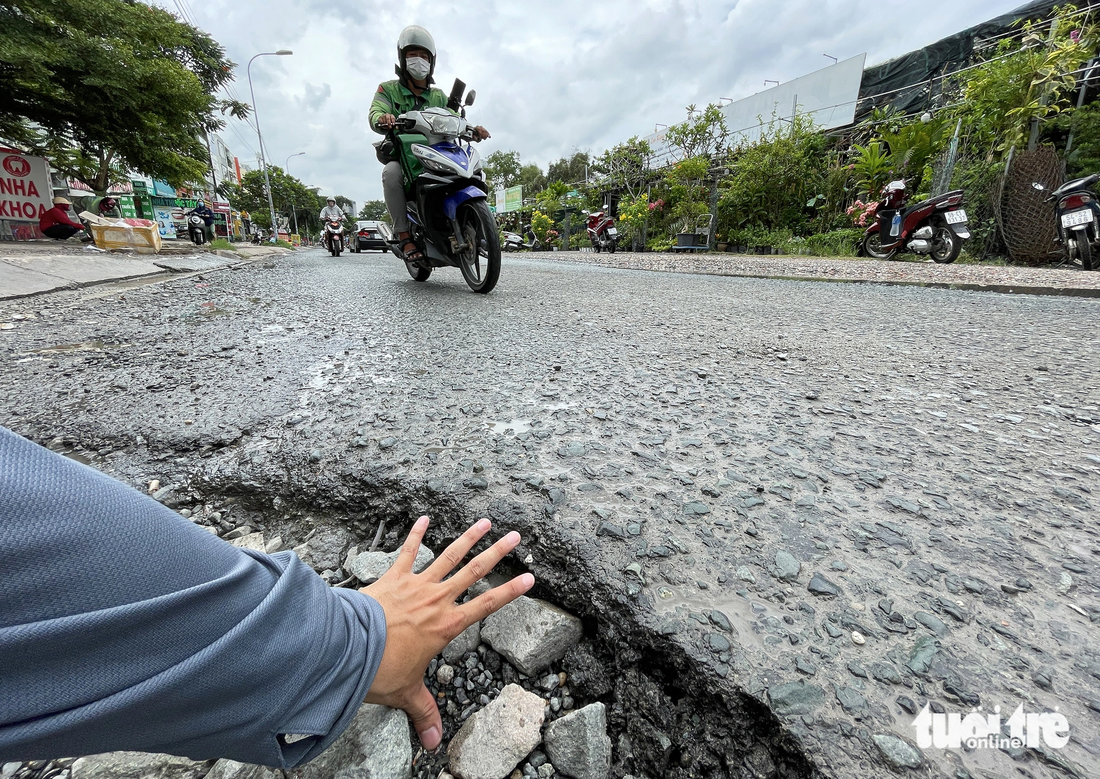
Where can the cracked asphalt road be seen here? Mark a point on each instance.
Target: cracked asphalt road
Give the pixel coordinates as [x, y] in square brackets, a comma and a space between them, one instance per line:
[751, 470]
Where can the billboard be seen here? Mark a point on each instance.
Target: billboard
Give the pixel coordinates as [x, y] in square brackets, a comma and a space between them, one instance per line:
[25, 189]
[828, 96]
[513, 198]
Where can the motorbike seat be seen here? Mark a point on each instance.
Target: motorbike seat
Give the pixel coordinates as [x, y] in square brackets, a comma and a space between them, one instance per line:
[1076, 184]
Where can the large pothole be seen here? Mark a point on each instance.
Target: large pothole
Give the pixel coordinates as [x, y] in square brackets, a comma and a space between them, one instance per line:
[669, 715]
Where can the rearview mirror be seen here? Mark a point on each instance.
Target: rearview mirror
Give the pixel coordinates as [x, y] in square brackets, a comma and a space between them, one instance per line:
[470, 97]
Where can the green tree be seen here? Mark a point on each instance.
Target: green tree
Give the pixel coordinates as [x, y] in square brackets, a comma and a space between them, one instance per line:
[111, 85]
[374, 209]
[570, 170]
[502, 169]
[1030, 79]
[703, 134]
[287, 193]
[626, 167]
[532, 179]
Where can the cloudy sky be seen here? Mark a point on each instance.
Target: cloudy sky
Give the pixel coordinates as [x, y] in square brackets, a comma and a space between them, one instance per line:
[550, 76]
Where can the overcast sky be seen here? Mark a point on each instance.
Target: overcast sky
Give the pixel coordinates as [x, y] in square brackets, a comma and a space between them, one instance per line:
[550, 76]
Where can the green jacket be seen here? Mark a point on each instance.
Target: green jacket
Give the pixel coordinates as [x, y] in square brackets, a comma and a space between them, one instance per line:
[395, 98]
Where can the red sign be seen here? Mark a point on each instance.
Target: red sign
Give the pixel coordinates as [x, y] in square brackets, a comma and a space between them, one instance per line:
[25, 191]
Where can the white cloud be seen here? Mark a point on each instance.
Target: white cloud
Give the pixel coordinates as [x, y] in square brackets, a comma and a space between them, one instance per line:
[550, 77]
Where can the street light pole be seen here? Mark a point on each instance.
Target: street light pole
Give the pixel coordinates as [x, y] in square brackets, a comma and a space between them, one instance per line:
[259, 135]
[286, 170]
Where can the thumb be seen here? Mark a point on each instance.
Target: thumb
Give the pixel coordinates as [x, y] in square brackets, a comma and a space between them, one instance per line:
[424, 714]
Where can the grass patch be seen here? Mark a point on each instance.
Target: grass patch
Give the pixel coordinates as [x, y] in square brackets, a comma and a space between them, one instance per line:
[222, 243]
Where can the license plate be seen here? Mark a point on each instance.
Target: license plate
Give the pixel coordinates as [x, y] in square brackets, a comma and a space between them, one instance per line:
[1077, 218]
[954, 217]
[612, 231]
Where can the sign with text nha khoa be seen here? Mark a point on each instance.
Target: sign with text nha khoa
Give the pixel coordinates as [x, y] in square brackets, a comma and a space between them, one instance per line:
[25, 190]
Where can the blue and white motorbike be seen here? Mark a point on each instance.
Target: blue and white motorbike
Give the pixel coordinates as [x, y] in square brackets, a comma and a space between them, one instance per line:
[449, 216]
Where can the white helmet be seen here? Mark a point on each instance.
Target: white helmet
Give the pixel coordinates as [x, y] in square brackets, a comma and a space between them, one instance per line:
[414, 35]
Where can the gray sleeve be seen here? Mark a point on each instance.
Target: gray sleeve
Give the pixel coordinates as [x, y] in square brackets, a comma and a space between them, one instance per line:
[125, 627]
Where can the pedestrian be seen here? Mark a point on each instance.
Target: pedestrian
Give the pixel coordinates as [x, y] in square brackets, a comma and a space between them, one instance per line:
[106, 207]
[124, 626]
[411, 91]
[55, 223]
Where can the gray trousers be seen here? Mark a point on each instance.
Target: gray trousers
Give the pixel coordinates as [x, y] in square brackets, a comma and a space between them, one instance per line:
[393, 188]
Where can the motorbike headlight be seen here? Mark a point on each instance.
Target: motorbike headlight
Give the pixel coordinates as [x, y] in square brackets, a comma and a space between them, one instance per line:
[435, 165]
[446, 125]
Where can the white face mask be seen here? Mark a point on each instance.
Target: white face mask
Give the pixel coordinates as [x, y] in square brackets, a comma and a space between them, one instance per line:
[418, 68]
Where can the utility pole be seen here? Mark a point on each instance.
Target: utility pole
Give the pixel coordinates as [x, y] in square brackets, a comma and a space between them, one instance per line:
[259, 135]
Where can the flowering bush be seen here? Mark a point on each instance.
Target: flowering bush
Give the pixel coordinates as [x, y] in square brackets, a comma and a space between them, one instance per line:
[657, 205]
[861, 212]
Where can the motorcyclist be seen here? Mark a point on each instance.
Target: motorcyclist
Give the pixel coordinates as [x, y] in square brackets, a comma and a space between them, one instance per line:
[410, 91]
[203, 211]
[331, 211]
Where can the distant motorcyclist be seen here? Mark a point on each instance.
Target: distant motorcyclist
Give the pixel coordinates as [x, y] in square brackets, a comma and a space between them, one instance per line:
[203, 211]
[332, 211]
[410, 91]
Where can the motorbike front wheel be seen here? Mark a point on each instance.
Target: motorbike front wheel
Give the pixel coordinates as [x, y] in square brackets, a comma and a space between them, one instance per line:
[480, 260]
[872, 247]
[946, 245]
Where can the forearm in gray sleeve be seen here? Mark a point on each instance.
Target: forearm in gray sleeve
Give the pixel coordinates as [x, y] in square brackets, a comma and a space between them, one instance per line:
[124, 626]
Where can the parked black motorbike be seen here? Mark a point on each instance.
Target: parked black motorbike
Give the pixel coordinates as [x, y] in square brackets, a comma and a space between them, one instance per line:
[1077, 212]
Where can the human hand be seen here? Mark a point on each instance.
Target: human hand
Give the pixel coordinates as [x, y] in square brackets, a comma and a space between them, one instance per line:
[481, 134]
[422, 618]
[386, 121]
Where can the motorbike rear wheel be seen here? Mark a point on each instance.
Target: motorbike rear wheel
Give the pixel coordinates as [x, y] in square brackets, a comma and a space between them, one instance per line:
[872, 247]
[946, 245]
[480, 261]
[613, 247]
[1084, 250]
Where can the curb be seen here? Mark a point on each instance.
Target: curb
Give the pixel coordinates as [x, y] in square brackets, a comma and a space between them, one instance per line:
[1004, 289]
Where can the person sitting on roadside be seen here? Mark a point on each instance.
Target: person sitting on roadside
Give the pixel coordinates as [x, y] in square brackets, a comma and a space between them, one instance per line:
[106, 207]
[203, 211]
[57, 224]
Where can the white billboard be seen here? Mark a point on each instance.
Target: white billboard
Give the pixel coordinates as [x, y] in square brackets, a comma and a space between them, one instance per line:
[828, 96]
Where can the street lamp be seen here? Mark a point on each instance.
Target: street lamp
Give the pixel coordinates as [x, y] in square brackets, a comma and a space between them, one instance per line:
[263, 156]
[286, 170]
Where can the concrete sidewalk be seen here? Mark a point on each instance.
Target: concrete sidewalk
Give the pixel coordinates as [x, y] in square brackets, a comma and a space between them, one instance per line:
[34, 268]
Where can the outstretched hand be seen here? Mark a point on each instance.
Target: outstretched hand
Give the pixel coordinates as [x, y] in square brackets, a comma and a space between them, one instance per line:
[422, 618]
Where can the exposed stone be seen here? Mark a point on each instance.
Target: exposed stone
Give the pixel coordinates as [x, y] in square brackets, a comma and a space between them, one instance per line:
[786, 566]
[254, 541]
[368, 567]
[137, 765]
[324, 547]
[495, 739]
[897, 752]
[821, 586]
[578, 744]
[376, 745]
[464, 642]
[531, 633]
[796, 698]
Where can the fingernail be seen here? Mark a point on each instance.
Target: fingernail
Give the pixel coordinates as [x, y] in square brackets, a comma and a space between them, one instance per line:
[512, 538]
[527, 580]
[430, 738]
[483, 525]
[421, 523]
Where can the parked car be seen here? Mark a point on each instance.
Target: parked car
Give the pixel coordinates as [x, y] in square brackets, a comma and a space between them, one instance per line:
[370, 235]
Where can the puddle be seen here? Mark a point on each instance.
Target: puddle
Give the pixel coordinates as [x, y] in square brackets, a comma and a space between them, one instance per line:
[517, 426]
[742, 614]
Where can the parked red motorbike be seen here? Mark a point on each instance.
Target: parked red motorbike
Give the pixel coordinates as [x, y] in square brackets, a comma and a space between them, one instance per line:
[602, 232]
[935, 227]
